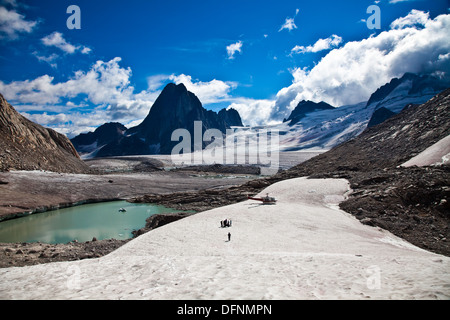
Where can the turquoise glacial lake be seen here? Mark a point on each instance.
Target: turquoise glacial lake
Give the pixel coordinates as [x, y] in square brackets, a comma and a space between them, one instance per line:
[82, 223]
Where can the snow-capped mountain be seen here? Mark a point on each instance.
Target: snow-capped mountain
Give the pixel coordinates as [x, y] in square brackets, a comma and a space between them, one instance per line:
[409, 89]
[312, 126]
[325, 128]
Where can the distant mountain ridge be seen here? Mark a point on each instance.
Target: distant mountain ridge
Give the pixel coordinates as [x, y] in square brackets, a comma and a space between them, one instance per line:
[410, 88]
[175, 108]
[305, 107]
[311, 125]
[103, 135]
[25, 145]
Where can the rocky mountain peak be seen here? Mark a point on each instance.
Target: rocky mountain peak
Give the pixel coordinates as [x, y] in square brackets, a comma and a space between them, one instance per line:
[305, 107]
[175, 108]
[25, 145]
[410, 88]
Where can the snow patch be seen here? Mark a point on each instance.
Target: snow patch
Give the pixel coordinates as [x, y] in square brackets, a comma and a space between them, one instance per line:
[296, 249]
[435, 155]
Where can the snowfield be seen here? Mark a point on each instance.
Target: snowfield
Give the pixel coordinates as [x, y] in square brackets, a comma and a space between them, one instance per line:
[303, 247]
[435, 155]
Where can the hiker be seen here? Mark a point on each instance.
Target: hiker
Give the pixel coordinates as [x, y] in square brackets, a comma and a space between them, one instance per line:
[229, 236]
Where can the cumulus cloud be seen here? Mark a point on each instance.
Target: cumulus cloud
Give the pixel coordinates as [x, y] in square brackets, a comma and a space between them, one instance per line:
[208, 92]
[233, 48]
[105, 82]
[101, 94]
[320, 45]
[155, 82]
[12, 24]
[349, 74]
[56, 39]
[106, 85]
[254, 112]
[414, 18]
[71, 124]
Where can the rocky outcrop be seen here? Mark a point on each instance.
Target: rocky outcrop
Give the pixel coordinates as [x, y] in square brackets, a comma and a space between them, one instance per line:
[206, 199]
[177, 108]
[158, 220]
[28, 254]
[25, 145]
[409, 202]
[379, 116]
[222, 169]
[305, 107]
[231, 117]
[410, 88]
[107, 133]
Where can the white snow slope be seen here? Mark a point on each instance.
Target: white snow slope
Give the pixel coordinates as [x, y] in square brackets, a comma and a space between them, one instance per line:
[303, 247]
[435, 155]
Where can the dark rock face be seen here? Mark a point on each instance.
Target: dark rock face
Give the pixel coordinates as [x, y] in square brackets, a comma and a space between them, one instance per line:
[420, 84]
[412, 203]
[25, 145]
[175, 108]
[231, 117]
[158, 220]
[379, 116]
[103, 135]
[305, 107]
[124, 145]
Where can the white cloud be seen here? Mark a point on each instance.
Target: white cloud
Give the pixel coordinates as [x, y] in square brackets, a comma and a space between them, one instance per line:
[57, 40]
[320, 45]
[50, 59]
[289, 23]
[46, 118]
[105, 82]
[70, 124]
[86, 50]
[414, 18]
[233, 48]
[253, 112]
[106, 85]
[12, 24]
[349, 74]
[208, 92]
[155, 82]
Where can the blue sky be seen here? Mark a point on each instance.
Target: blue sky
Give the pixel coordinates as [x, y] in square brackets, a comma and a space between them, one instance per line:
[260, 57]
